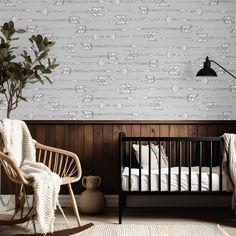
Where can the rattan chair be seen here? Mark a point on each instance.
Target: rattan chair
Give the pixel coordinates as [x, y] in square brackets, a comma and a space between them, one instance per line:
[66, 164]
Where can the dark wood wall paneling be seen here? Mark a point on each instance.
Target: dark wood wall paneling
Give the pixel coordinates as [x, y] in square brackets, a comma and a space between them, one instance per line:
[96, 142]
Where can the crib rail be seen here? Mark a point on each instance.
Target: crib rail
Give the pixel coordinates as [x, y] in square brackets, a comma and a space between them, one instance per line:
[181, 152]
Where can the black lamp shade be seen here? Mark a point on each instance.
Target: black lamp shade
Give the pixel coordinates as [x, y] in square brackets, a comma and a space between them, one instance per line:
[206, 70]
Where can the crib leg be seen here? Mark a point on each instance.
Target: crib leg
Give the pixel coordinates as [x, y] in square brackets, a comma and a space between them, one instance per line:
[124, 201]
[120, 207]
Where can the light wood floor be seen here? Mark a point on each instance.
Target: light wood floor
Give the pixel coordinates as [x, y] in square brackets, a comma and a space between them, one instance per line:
[222, 216]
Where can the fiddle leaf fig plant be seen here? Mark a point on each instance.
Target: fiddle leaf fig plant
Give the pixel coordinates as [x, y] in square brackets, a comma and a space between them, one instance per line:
[17, 70]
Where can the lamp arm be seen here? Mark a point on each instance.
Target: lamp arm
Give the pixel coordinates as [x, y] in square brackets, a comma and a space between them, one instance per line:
[223, 68]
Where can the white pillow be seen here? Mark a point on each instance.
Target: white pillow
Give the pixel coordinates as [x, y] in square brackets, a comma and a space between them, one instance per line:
[164, 158]
[154, 156]
[145, 156]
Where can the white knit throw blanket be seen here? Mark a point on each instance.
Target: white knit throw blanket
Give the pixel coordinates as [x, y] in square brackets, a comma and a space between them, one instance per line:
[21, 148]
[230, 164]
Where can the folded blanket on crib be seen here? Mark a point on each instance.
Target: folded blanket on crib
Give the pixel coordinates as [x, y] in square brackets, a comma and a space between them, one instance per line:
[229, 165]
[21, 148]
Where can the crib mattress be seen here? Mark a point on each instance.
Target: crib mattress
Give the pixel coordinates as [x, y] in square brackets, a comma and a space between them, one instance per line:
[205, 179]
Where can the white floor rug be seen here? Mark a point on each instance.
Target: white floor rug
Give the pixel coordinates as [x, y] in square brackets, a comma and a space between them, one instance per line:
[153, 230]
[136, 230]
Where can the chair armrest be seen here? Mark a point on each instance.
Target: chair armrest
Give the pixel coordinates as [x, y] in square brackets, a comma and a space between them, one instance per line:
[12, 170]
[64, 163]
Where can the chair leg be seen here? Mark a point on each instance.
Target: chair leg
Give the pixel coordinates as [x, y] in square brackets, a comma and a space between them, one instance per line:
[75, 208]
[63, 214]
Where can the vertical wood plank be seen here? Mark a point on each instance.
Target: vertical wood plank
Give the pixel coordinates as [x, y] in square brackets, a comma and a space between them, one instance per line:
[115, 155]
[50, 134]
[174, 132]
[40, 133]
[32, 129]
[107, 153]
[155, 130]
[145, 131]
[68, 145]
[88, 158]
[59, 136]
[202, 130]
[135, 130]
[183, 132]
[99, 158]
[212, 130]
[164, 130]
[192, 130]
[127, 129]
[77, 139]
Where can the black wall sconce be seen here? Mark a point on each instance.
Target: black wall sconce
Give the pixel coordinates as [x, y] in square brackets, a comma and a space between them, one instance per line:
[208, 71]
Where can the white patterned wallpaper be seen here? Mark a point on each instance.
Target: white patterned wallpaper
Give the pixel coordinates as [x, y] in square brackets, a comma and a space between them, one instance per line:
[130, 59]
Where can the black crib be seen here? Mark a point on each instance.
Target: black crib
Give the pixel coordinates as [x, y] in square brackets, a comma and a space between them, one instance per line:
[181, 152]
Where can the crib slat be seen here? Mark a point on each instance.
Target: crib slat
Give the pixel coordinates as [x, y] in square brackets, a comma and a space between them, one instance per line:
[159, 155]
[169, 168]
[179, 160]
[200, 167]
[211, 153]
[149, 166]
[129, 166]
[190, 165]
[140, 164]
[220, 161]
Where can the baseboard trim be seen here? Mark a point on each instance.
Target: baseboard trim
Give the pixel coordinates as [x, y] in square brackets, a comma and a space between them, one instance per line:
[7, 201]
[160, 201]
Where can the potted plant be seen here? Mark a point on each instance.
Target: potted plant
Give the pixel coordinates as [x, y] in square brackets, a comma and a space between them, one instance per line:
[31, 67]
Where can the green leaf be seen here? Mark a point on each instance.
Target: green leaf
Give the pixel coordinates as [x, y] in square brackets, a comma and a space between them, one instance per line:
[48, 79]
[36, 53]
[42, 55]
[47, 71]
[39, 78]
[5, 26]
[39, 38]
[53, 66]
[20, 31]
[11, 25]
[39, 67]
[50, 44]
[33, 81]
[12, 57]
[22, 98]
